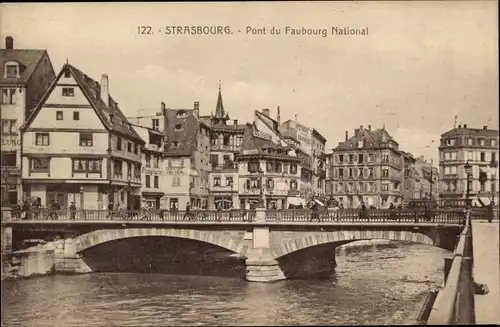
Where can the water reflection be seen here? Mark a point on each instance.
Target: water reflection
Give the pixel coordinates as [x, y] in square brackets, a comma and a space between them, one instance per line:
[369, 288]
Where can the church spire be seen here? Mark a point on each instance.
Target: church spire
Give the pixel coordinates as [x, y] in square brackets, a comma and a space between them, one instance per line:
[219, 109]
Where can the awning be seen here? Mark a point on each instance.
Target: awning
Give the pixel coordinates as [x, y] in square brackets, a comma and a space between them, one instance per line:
[319, 202]
[152, 194]
[296, 201]
[485, 201]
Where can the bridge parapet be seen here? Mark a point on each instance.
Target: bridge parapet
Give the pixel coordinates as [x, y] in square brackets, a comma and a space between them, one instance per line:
[455, 301]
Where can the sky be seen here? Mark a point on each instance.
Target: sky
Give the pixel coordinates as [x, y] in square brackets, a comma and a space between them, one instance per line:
[421, 64]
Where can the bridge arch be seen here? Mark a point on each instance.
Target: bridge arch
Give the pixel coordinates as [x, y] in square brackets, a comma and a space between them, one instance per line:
[219, 238]
[321, 238]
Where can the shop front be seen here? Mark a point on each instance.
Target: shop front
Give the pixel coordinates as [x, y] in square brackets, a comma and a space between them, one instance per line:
[152, 199]
[11, 187]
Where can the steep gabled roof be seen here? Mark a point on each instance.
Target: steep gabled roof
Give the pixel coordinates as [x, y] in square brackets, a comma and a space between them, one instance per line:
[372, 138]
[111, 116]
[27, 59]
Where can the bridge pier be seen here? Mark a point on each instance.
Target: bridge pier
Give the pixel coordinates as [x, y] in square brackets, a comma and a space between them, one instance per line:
[67, 260]
[260, 265]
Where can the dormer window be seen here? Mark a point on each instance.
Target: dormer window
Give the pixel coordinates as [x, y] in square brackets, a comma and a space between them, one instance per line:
[12, 70]
[67, 73]
[175, 144]
[178, 127]
[181, 114]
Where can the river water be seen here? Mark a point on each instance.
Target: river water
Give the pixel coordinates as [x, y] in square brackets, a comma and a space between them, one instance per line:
[373, 284]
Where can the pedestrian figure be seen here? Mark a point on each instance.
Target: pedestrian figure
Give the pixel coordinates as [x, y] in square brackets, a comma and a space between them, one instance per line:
[188, 212]
[72, 209]
[54, 208]
[25, 210]
[314, 211]
[363, 212]
[110, 209]
[490, 212]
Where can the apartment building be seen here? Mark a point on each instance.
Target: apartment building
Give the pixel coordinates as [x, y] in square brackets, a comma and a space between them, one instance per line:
[25, 75]
[312, 144]
[479, 148]
[426, 179]
[367, 167]
[79, 147]
[225, 142]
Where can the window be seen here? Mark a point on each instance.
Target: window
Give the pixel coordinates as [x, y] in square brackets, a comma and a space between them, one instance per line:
[385, 172]
[269, 183]
[67, 73]
[341, 173]
[225, 140]
[86, 139]
[8, 96]
[118, 144]
[360, 158]
[493, 142]
[156, 162]
[87, 165]
[148, 160]
[148, 181]
[118, 169]
[370, 173]
[181, 114]
[351, 158]
[482, 157]
[470, 155]
[68, 92]
[136, 148]
[385, 187]
[156, 181]
[253, 167]
[293, 169]
[59, 115]
[216, 181]
[129, 147]
[9, 127]
[9, 159]
[155, 122]
[371, 158]
[493, 157]
[293, 185]
[176, 181]
[360, 172]
[229, 181]
[385, 158]
[450, 170]
[360, 144]
[42, 139]
[341, 158]
[42, 164]
[76, 115]
[178, 127]
[12, 71]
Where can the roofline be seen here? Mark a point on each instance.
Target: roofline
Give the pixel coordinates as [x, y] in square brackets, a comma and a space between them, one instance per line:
[322, 138]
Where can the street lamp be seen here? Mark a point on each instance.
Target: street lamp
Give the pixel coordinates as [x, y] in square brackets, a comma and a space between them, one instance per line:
[468, 171]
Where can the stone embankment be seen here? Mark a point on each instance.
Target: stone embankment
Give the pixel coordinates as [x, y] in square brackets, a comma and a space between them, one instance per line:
[34, 261]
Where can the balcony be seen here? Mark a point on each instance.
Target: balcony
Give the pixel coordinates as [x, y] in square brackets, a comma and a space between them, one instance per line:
[293, 192]
[153, 147]
[227, 166]
[223, 147]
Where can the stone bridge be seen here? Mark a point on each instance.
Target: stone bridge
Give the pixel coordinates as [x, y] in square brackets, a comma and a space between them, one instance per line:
[272, 250]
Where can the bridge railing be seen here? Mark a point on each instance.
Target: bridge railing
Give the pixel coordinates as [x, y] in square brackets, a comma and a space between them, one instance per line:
[135, 215]
[455, 301]
[444, 216]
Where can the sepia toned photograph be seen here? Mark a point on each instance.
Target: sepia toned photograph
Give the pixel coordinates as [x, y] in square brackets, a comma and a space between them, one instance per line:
[249, 163]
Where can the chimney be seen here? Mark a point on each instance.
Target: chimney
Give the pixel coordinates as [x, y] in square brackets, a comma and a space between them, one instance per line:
[346, 135]
[460, 126]
[361, 127]
[369, 127]
[105, 89]
[235, 121]
[265, 112]
[163, 108]
[485, 127]
[465, 125]
[9, 43]
[196, 109]
[278, 117]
